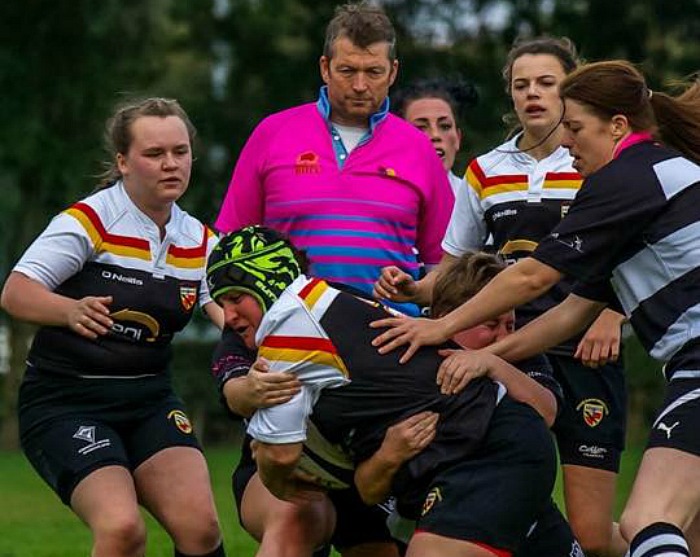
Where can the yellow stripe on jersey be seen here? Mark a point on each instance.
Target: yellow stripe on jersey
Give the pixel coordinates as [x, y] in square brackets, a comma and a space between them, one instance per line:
[313, 295]
[294, 355]
[513, 246]
[185, 262]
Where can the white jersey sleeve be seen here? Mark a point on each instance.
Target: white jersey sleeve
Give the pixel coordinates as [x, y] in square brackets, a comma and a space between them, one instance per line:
[467, 228]
[291, 339]
[58, 253]
[284, 423]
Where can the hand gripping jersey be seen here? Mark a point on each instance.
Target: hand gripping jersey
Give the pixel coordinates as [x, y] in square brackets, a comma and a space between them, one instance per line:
[518, 200]
[105, 246]
[636, 222]
[354, 393]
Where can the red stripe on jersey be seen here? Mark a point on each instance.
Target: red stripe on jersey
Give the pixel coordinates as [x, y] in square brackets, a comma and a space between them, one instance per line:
[308, 288]
[190, 253]
[128, 241]
[563, 176]
[300, 343]
[487, 182]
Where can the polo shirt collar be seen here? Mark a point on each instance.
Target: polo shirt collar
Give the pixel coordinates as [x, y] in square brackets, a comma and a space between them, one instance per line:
[324, 108]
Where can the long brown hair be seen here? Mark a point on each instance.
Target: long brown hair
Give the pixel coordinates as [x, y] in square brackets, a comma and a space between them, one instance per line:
[617, 87]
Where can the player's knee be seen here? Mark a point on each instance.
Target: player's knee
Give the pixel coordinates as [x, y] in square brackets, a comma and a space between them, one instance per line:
[124, 536]
[199, 536]
[301, 527]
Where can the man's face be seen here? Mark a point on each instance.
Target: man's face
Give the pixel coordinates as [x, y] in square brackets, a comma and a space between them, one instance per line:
[358, 80]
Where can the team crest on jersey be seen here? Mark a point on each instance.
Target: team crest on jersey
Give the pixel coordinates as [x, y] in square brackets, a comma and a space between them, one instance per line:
[434, 496]
[593, 410]
[307, 162]
[188, 296]
[182, 422]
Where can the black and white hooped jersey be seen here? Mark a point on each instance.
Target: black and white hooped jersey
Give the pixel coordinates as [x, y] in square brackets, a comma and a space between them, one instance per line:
[105, 246]
[355, 394]
[636, 221]
[517, 200]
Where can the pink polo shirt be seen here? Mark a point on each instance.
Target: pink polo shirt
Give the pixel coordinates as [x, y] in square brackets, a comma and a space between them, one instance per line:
[391, 195]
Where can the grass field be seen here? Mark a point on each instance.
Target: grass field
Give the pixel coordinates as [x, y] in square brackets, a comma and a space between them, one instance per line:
[34, 523]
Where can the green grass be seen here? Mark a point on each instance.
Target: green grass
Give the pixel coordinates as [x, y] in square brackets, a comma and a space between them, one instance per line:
[34, 523]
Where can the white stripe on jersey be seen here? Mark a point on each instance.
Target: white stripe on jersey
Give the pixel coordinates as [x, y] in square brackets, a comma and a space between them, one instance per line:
[675, 175]
[681, 331]
[641, 276]
[557, 194]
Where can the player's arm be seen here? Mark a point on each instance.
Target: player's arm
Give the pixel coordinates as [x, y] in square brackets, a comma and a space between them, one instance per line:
[461, 366]
[398, 286]
[519, 283]
[551, 328]
[28, 300]
[601, 343]
[259, 388]
[403, 441]
[215, 314]
[276, 465]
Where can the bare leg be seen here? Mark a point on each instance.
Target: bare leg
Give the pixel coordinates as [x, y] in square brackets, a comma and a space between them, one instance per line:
[174, 486]
[425, 544]
[285, 529]
[589, 494]
[106, 501]
[666, 489]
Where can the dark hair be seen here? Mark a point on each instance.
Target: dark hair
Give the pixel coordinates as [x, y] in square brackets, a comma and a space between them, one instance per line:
[617, 87]
[561, 48]
[458, 93]
[363, 24]
[462, 280]
[118, 135]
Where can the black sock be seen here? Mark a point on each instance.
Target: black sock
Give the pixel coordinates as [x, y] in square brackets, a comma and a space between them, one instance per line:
[218, 552]
[660, 538]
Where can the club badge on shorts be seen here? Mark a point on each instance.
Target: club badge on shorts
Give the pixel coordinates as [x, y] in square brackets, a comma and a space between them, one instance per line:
[594, 410]
[182, 422]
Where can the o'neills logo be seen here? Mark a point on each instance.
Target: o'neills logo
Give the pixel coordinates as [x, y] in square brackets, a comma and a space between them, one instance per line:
[434, 496]
[307, 163]
[182, 422]
[594, 410]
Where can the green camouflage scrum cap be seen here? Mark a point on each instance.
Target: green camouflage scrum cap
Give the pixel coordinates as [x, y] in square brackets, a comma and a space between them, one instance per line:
[255, 260]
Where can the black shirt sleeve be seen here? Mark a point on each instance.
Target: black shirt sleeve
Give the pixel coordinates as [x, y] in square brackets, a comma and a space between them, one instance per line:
[599, 291]
[231, 358]
[539, 369]
[606, 220]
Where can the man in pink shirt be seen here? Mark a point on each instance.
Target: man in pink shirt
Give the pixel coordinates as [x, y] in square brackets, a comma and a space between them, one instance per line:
[355, 186]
